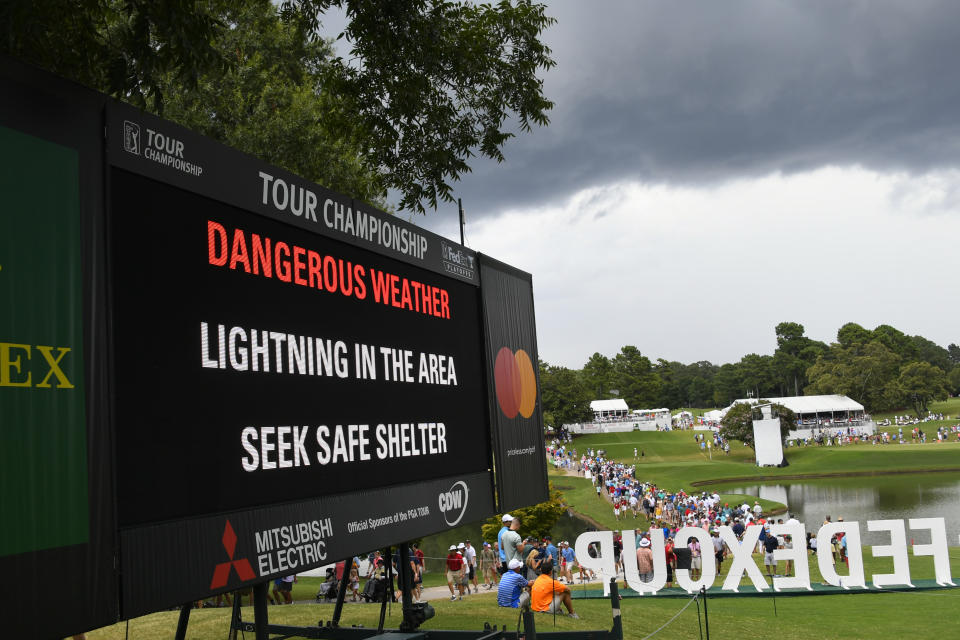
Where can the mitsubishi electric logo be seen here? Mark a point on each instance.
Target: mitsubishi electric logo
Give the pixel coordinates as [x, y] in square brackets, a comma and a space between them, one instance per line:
[222, 573]
[131, 137]
[453, 503]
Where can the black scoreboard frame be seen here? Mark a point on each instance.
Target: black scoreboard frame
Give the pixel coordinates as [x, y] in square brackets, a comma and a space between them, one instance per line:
[207, 470]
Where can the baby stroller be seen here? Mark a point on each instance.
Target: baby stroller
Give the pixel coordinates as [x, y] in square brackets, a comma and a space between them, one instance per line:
[328, 590]
[375, 590]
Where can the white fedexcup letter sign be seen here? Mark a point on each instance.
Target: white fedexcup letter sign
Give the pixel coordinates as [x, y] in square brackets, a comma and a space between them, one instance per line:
[851, 531]
[659, 563]
[742, 561]
[798, 554]
[603, 564]
[897, 549]
[708, 562]
[937, 547]
[742, 558]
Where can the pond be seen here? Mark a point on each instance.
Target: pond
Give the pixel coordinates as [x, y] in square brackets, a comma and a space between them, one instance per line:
[862, 498]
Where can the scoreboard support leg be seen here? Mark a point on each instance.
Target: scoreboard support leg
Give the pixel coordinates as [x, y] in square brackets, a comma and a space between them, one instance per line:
[236, 619]
[183, 621]
[388, 594]
[405, 579]
[260, 614]
[342, 591]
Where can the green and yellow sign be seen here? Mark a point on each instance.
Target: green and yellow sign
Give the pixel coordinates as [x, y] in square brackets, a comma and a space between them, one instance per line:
[43, 441]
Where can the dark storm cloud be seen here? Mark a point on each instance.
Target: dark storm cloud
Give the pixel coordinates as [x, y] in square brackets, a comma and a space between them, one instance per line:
[687, 92]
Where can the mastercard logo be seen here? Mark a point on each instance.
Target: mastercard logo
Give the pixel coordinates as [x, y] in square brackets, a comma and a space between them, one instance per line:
[515, 382]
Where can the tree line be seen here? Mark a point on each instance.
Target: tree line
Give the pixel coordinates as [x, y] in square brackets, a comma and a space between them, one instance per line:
[884, 369]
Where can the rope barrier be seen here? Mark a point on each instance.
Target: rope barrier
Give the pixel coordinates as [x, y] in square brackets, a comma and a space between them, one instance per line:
[676, 615]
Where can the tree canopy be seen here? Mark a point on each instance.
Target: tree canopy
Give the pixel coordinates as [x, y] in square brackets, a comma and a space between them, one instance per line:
[884, 369]
[428, 84]
[563, 398]
[536, 520]
[737, 424]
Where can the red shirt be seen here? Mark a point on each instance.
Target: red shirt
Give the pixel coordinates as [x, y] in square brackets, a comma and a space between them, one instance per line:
[454, 561]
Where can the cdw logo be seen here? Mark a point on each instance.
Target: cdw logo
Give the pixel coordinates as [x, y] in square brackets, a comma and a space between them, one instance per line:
[222, 573]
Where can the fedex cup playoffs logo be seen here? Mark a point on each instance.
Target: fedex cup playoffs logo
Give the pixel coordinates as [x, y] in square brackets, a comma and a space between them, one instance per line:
[516, 384]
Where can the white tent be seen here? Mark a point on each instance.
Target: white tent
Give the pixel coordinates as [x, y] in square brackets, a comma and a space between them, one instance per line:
[609, 408]
[715, 415]
[810, 405]
[818, 413]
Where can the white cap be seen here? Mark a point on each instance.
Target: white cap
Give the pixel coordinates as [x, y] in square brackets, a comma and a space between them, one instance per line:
[514, 564]
[453, 547]
[461, 546]
[507, 517]
[644, 542]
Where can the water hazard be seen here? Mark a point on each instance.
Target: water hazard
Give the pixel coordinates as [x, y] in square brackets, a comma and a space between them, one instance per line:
[892, 497]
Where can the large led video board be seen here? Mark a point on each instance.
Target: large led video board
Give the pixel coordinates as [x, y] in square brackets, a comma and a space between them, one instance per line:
[215, 373]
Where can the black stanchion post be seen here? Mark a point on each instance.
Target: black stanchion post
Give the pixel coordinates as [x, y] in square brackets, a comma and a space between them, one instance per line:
[182, 622]
[260, 621]
[529, 625]
[617, 629]
[342, 591]
[699, 621]
[388, 593]
[405, 577]
[706, 618]
[235, 617]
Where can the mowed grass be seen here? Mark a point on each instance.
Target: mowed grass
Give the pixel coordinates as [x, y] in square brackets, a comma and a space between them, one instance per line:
[853, 615]
[950, 409]
[674, 461]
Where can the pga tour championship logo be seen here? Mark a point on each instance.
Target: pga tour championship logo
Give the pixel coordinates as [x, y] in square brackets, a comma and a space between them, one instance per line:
[131, 137]
[159, 147]
[742, 562]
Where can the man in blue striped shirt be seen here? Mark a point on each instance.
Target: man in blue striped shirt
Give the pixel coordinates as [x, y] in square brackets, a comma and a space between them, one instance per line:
[512, 590]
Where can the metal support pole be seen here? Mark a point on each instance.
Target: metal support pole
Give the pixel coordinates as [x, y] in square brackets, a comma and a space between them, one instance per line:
[529, 626]
[617, 630]
[388, 595]
[342, 591]
[460, 206]
[182, 622]
[235, 617]
[406, 589]
[706, 618]
[260, 621]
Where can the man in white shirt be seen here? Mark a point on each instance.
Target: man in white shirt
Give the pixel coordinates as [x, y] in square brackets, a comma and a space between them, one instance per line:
[470, 554]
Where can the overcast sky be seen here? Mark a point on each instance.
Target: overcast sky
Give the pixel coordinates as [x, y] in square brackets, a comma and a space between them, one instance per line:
[714, 168]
